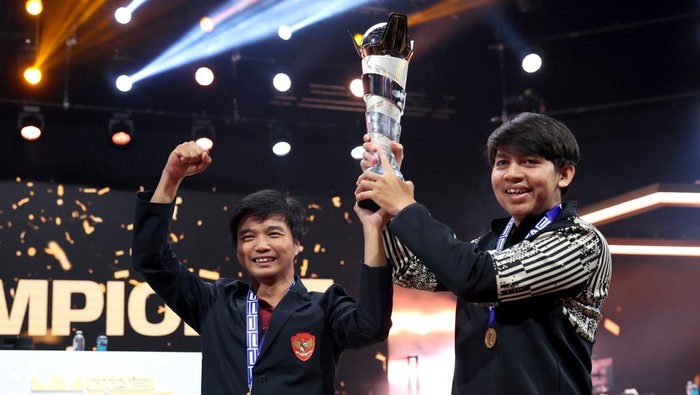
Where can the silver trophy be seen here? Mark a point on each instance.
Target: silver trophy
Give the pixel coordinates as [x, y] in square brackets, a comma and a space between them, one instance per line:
[385, 53]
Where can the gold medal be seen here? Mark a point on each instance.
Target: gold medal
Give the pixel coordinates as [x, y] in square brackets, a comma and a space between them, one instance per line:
[490, 338]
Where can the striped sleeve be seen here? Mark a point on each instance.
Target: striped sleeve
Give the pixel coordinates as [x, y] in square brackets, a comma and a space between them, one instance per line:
[408, 271]
[551, 262]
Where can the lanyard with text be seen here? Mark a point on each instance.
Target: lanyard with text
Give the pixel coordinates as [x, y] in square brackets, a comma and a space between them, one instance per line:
[548, 218]
[253, 346]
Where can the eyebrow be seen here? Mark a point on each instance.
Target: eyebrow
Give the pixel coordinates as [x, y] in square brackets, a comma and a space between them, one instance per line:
[269, 228]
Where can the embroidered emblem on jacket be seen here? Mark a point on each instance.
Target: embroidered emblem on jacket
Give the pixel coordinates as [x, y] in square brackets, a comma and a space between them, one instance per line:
[303, 345]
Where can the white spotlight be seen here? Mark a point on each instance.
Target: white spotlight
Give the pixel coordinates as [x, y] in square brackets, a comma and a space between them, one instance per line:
[122, 15]
[206, 24]
[281, 148]
[532, 63]
[356, 87]
[124, 83]
[204, 76]
[282, 82]
[357, 152]
[285, 32]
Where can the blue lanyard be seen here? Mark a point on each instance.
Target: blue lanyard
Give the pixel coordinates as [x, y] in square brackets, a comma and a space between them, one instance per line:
[252, 345]
[546, 219]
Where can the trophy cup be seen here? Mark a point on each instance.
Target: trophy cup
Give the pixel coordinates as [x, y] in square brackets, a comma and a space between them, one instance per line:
[385, 53]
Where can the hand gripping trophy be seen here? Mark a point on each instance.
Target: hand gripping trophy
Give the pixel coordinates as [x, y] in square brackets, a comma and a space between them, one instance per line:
[385, 52]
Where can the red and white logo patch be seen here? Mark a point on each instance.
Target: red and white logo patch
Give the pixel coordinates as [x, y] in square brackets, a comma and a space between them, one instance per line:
[303, 345]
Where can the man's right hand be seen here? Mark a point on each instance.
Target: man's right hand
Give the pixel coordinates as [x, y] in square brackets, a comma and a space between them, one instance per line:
[371, 159]
[185, 160]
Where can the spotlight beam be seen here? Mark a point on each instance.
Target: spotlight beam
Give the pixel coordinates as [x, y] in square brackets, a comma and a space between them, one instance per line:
[248, 25]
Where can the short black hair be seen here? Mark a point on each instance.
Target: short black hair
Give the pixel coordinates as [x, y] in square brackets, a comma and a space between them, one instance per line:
[535, 134]
[265, 204]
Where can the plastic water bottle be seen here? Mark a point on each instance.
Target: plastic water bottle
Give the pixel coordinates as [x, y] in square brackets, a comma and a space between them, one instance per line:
[78, 341]
[691, 388]
[101, 343]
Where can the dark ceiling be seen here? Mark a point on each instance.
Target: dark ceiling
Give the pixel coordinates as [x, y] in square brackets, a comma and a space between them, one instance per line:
[623, 75]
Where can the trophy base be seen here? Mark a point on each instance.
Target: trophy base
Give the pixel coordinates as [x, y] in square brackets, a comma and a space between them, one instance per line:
[368, 204]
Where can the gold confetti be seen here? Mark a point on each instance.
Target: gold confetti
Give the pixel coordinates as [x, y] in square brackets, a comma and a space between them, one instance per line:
[121, 274]
[59, 190]
[314, 206]
[88, 228]
[336, 201]
[173, 237]
[347, 217]
[318, 248]
[81, 205]
[59, 202]
[209, 274]
[55, 250]
[89, 190]
[381, 358]
[22, 201]
[30, 216]
[199, 222]
[342, 262]
[304, 267]
[68, 238]
[30, 184]
[58, 221]
[311, 218]
[18, 253]
[130, 227]
[119, 253]
[95, 219]
[31, 251]
[178, 200]
[611, 326]
[103, 191]
[175, 211]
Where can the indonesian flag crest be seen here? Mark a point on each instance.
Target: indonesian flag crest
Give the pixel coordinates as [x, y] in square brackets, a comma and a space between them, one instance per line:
[303, 345]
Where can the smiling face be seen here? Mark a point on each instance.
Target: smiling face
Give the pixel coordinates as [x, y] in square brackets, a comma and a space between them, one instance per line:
[266, 249]
[527, 184]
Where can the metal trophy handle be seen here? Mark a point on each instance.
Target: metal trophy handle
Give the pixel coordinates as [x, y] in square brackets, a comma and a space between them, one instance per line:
[385, 53]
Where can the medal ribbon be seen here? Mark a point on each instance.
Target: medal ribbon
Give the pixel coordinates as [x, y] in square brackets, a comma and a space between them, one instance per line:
[252, 345]
[546, 219]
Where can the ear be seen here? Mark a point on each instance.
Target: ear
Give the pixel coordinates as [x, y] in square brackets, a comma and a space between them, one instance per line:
[297, 248]
[566, 175]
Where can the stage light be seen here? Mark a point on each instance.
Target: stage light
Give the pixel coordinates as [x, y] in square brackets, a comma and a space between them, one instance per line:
[204, 76]
[282, 82]
[121, 129]
[30, 123]
[356, 88]
[357, 152]
[34, 7]
[239, 24]
[531, 63]
[281, 139]
[32, 75]
[122, 15]
[285, 32]
[642, 200]
[206, 24]
[203, 133]
[124, 83]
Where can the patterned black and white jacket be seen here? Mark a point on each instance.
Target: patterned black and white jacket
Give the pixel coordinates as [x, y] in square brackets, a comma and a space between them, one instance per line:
[546, 292]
